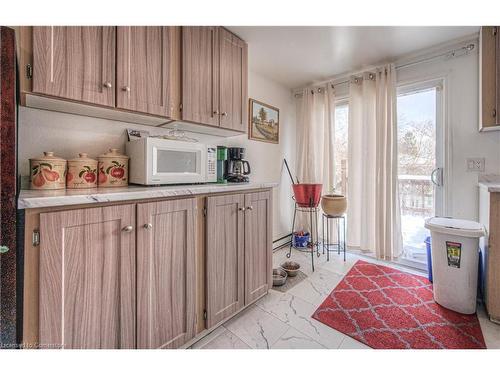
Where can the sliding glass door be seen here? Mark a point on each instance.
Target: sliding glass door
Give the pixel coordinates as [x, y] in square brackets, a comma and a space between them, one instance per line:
[420, 165]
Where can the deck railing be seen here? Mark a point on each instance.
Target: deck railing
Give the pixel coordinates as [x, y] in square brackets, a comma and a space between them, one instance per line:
[415, 195]
[415, 192]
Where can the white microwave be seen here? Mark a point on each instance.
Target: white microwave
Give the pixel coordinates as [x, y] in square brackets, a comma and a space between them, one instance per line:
[158, 161]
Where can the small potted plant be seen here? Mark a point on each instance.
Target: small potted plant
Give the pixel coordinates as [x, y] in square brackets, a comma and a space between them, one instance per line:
[334, 204]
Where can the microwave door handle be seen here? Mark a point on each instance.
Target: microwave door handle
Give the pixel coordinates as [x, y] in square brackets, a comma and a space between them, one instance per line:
[247, 169]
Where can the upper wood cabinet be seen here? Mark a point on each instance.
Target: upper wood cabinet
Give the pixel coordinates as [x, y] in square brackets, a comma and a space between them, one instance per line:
[489, 68]
[233, 81]
[148, 69]
[200, 74]
[214, 78]
[75, 63]
[224, 257]
[87, 278]
[258, 245]
[166, 278]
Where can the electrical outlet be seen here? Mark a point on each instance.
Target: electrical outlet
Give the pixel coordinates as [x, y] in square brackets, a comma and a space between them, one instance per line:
[475, 164]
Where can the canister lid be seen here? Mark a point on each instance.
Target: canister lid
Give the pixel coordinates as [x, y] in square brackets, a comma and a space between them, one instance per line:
[459, 227]
[48, 156]
[113, 153]
[83, 157]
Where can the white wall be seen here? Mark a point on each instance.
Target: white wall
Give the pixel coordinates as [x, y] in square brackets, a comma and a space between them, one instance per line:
[464, 140]
[266, 159]
[67, 135]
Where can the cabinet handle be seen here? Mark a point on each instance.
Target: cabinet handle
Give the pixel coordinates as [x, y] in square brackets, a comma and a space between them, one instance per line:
[108, 85]
[241, 209]
[216, 113]
[128, 228]
[494, 113]
[148, 226]
[224, 113]
[250, 208]
[126, 88]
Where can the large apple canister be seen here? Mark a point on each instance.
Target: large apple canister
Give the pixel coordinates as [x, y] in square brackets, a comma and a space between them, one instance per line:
[47, 172]
[82, 172]
[112, 169]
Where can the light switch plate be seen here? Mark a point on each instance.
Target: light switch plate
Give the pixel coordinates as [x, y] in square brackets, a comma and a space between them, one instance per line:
[475, 164]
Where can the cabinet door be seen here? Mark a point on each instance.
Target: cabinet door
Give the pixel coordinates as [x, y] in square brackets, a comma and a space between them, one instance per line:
[200, 75]
[497, 64]
[258, 245]
[75, 63]
[224, 257]
[146, 60]
[87, 278]
[166, 280]
[233, 81]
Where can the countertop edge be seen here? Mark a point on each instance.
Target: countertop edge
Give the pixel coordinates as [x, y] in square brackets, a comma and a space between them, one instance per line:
[492, 187]
[45, 200]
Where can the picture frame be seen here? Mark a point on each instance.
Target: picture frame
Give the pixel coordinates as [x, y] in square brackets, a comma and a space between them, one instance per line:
[263, 122]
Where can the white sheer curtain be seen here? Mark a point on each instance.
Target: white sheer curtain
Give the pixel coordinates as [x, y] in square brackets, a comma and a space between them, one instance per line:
[373, 222]
[315, 136]
[315, 140]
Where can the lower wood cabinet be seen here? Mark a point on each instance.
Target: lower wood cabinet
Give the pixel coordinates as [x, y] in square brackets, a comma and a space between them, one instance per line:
[87, 278]
[166, 279]
[225, 257]
[258, 245]
[238, 252]
[141, 275]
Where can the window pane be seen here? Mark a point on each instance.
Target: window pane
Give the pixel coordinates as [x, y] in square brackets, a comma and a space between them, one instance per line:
[341, 123]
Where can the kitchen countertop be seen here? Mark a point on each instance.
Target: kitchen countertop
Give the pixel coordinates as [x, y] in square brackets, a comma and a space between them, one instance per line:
[53, 198]
[493, 187]
[491, 182]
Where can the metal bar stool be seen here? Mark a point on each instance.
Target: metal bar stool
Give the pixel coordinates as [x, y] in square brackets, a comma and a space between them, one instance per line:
[313, 218]
[340, 244]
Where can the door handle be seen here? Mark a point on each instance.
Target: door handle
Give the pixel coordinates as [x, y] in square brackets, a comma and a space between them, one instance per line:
[437, 172]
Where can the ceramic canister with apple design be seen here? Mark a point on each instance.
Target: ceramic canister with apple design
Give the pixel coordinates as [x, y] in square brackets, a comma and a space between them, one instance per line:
[47, 172]
[82, 172]
[112, 169]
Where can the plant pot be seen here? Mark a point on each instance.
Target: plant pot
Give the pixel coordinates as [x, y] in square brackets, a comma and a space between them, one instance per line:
[334, 204]
[307, 195]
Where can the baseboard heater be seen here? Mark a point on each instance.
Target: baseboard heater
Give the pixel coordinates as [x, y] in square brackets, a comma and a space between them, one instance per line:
[282, 241]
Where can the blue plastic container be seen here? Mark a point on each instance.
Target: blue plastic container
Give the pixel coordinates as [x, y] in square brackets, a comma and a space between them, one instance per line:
[300, 241]
[429, 258]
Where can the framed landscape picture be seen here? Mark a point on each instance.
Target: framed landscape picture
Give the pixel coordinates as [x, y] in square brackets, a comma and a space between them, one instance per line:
[264, 122]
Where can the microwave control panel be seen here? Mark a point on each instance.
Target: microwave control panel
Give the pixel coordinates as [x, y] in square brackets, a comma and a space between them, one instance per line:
[211, 164]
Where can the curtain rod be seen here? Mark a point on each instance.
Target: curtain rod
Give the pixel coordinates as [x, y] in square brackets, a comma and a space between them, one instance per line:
[451, 53]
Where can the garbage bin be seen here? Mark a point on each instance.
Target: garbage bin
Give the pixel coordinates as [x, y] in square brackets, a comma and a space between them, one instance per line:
[455, 258]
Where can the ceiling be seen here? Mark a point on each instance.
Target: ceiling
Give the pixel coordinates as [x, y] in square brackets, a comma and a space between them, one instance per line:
[296, 56]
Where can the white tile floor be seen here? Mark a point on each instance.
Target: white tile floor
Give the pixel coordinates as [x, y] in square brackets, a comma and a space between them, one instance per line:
[283, 320]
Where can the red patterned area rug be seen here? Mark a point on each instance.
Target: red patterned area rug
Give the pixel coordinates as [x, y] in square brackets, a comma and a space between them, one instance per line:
[390, 309]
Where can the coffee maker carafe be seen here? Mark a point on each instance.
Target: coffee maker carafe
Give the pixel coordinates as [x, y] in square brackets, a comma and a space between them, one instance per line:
[237, 169]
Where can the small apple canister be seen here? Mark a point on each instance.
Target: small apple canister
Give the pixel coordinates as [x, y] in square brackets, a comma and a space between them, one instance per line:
[112, 169]
[82, 172]
[47, 172]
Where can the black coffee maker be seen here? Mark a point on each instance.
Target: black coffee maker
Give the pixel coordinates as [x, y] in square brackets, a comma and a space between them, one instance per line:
[237, 169]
